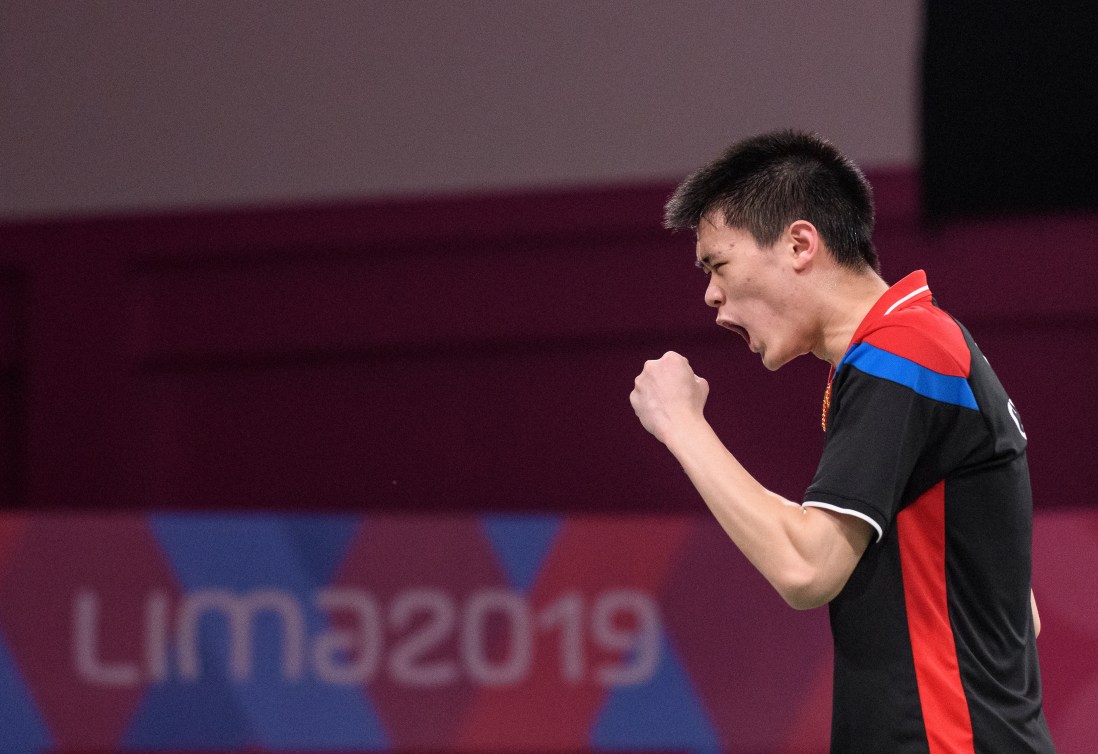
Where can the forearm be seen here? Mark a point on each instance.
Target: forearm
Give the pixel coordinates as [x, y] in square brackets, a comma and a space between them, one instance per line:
[798, 550]
[807, 554]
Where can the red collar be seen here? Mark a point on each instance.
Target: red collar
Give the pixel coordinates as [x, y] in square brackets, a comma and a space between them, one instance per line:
[911, 290]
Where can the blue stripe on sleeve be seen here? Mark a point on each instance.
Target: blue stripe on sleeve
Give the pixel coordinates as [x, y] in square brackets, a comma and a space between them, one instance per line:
[924, 381]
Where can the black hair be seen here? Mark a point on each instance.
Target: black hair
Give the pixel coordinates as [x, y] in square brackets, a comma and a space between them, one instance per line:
[764, 183]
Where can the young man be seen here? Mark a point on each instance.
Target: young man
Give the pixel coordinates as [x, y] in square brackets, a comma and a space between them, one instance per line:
[916, 529]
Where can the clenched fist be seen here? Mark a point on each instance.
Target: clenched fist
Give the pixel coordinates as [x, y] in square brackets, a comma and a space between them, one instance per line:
[667, 395]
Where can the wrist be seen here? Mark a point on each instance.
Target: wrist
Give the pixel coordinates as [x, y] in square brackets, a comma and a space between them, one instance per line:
[685, 434]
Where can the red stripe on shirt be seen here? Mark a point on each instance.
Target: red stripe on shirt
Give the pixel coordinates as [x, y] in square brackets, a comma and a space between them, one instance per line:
[915, 329]
[921, 530]
[925, 335]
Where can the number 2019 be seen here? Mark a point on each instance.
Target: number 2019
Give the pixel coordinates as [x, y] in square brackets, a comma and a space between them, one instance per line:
[613, 639]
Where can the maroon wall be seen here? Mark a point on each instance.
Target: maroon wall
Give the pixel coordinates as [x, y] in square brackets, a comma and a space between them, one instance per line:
[462, 353]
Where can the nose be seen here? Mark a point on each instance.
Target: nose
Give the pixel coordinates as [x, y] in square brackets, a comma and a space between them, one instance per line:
[713, 295]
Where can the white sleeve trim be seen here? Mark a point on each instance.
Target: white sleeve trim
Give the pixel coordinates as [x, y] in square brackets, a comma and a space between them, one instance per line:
[847, 512]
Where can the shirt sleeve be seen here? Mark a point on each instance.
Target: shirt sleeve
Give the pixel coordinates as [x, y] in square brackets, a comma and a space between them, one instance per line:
[877, 432]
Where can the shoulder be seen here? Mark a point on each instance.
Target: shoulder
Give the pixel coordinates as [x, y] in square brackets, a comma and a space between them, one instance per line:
[926, 336]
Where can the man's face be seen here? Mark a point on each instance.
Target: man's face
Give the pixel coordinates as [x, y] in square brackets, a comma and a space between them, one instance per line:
[753, 290]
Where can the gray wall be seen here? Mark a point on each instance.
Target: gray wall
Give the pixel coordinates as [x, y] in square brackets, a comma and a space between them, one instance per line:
[120, 106]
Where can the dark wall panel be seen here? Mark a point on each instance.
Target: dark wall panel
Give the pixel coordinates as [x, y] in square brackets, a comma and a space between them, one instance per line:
[462, 353]
[1008, 113]
[13, 438]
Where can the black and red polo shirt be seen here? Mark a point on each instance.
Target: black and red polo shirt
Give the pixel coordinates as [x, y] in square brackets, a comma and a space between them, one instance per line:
[934, 641]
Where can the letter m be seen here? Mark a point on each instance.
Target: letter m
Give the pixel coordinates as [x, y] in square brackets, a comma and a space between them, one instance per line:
[240, 611]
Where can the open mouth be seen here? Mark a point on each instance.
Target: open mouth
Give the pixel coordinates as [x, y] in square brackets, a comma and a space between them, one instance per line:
[739, 330]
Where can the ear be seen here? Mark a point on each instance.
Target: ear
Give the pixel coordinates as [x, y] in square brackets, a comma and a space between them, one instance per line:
[805, 242]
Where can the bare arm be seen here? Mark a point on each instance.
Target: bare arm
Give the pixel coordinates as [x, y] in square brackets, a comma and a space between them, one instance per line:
[807, 554]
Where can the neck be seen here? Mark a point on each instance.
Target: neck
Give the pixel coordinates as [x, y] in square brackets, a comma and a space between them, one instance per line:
[846, 302]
